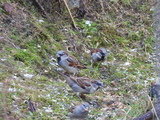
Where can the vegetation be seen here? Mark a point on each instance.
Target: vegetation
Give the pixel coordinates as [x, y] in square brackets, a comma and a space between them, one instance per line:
[30, 41]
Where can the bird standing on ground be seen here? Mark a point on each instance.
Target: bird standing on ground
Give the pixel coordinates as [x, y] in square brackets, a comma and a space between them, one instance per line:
[68, 62]
[79, 111]
[83, 85]
[98, 54]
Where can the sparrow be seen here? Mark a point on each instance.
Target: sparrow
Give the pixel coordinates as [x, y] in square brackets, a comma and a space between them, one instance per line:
[68, 62]
[83, 85]
[79, 111]
[98, 54]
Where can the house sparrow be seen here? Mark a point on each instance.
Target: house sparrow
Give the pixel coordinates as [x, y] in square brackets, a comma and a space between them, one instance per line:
[98, 54]
[79, 111]
[69, 62]
[83, 85]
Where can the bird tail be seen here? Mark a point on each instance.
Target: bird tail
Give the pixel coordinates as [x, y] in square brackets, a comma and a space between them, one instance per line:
[66, 76]
[81, 67]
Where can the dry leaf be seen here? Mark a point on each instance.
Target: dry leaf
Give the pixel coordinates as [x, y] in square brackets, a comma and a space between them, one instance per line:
[8, 8]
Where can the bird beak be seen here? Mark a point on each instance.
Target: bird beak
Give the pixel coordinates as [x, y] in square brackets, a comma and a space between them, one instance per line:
[102, 85]
[57, 55]
[86, 109]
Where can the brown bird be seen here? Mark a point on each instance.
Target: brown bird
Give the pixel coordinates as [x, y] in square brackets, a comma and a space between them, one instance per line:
[79, 111]
[68, 62]
[98, 54]
[83, 85]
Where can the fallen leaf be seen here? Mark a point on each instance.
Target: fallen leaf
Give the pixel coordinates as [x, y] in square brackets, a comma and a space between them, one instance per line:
[8, 8]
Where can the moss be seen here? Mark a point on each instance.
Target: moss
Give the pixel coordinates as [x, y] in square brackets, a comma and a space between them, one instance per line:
[27, 57]
[124, 31]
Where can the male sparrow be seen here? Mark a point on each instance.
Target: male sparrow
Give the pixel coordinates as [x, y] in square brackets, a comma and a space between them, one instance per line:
[83, 85]
[69, 62]
[98, 54]
[79, 111]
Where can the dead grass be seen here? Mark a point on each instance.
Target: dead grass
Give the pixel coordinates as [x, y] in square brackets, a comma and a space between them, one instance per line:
[29, 44]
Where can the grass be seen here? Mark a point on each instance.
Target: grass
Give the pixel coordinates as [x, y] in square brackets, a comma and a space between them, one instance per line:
[28, 59]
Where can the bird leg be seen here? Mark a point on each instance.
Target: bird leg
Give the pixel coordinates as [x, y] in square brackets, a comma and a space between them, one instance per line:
[79, 96]
[83, 97]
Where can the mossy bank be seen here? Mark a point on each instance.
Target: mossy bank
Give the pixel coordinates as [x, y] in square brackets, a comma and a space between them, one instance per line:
[31, 36]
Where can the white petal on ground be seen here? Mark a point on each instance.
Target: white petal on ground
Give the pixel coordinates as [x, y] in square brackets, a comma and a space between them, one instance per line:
[28, 75]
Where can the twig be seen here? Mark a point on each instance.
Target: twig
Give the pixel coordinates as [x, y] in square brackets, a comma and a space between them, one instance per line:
[154, 110]
[150, 114]
[9, 41]
[102, 7]
[4, 106]
[127, 113]
[31, 106]
[42, 9]
[74, 24]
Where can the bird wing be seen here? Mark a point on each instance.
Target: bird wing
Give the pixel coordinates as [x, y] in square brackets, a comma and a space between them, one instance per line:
[74, 62]
[95, 51]
[83, 82]
[71, 109]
